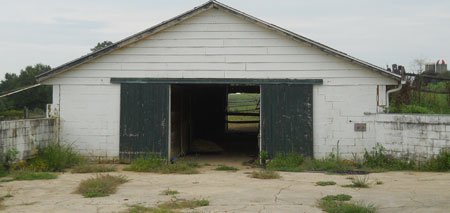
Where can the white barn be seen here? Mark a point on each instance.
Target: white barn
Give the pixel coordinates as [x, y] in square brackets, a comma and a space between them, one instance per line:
[136, 95]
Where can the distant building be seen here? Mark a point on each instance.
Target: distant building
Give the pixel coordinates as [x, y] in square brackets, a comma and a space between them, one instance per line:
[439, 67]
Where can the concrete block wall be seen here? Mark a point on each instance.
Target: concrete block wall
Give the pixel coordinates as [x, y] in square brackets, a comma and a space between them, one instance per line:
[26, 135]
[412, 135]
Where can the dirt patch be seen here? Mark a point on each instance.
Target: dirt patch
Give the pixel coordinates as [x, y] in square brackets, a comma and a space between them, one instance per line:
[234, 192]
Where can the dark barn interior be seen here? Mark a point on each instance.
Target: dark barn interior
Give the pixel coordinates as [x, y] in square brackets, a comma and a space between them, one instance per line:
[199, 121]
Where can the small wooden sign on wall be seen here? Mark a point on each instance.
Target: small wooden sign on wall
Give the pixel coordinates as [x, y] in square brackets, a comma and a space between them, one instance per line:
[360, 127]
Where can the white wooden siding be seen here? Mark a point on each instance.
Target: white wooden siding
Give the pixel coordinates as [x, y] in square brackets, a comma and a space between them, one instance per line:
[216, 44]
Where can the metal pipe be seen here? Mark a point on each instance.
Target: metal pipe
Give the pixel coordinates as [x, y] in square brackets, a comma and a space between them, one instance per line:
[19, 90]
[391, 91]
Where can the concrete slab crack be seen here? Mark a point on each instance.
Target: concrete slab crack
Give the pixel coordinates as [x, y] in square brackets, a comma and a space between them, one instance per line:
[275, 196]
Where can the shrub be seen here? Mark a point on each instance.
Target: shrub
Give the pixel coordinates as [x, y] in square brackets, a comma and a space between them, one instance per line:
[326, 183]
[226, 168]
[55, 158]
[265, 174]
[89, 168]
[101, 185]
[159, 165]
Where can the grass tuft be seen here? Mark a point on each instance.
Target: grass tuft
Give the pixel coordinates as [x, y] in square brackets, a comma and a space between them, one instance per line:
[100, 185]
[169, 192]
[159, 165]
[339, 197]
[226, 168]
[183, 204]
[265, 174]
[342, 207]
[142, 209]
[359, 182]
[90, 168]
[325, 183]
[29, 175]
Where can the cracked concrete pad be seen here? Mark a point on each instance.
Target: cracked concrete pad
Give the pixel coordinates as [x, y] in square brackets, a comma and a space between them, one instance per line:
[234, 192]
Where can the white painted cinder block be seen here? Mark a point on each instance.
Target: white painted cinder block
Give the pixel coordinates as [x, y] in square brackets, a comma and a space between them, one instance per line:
[89, 104]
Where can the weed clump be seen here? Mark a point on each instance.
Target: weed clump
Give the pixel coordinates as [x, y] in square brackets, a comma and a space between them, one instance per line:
[325, 183]
[359, 182]
[338, 204]
[440, 163]
[287, 162]
[55, 157]
[377, 159]
[169, 192]
[159, 165]
[101, 185]
[142, 209]
[339, 197]
[226, 168]
[183, 204]
[89, 168]
[265, 174]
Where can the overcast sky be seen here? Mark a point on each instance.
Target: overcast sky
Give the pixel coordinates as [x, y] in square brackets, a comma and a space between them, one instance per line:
[380, 31]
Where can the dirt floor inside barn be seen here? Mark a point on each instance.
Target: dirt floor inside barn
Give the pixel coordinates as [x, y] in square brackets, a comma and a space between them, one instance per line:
[233, 192]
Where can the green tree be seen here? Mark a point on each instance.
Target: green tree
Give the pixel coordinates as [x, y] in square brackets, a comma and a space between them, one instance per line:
[33, 98]
[101, 45]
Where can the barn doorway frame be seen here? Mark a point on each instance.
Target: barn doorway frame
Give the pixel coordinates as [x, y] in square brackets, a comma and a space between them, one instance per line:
[273, 86]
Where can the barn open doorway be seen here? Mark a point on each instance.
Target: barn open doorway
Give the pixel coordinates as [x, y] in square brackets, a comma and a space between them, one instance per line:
[214, 119]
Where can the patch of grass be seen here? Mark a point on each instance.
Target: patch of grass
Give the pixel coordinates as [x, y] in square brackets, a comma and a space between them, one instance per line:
[226, 168]
[359, 182]
[6, 180]
[100, 185]
[339, 197]
[159, 165]
[55, 157]
[29, 175]
[3, 170]
[379, 182]
[287, 162]
[142, 209]
[334, 206]
[206, 164]
[183, 204]
[440, 163]
[169, 192]
[325, 183]
[91, 168]
[378, 159]
[265, 174]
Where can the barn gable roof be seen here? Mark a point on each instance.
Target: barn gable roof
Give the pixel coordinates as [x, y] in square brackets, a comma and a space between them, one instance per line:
[206, 6]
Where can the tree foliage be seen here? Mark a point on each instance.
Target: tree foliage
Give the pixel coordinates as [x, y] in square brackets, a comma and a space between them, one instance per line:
[101, 45]
[33, 98]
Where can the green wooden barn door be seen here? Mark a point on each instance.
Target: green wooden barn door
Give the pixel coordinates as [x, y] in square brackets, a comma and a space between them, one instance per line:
[287, 119]
[144, 120]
